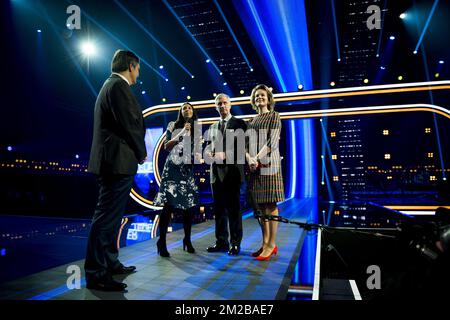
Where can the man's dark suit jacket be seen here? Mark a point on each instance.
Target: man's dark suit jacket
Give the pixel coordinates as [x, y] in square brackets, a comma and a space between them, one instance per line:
[118, 143]
[219, 171]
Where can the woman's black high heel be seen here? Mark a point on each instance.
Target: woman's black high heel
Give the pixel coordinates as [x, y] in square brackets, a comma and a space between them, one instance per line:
[162, 249]
[187, 244]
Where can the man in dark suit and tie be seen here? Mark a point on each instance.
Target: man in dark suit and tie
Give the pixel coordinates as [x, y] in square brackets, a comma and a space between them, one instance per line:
[227, 175]
[117, 148]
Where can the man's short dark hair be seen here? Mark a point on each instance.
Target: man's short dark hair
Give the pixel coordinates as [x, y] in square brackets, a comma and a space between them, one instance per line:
[122, 59]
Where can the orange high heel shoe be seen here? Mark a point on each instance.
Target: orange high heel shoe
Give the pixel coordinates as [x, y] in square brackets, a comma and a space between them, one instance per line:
[262, 258]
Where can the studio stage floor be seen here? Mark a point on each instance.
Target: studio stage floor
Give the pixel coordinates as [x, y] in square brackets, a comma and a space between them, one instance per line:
[199, 276]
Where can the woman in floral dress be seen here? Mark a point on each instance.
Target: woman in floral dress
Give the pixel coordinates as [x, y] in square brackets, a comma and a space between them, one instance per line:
[178, 190]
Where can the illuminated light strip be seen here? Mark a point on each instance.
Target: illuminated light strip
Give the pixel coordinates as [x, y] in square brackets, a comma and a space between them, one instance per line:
[159, 144]
[294, 160]
[355, 290]
[232, 33]
[152, 37]
[316, 287]
[316, 94]
[395, 207]
[419, 213]
[310, 114]
[190, 34]
[124, 222]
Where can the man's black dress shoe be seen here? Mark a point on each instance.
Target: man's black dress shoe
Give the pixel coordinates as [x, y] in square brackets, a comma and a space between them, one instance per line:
[234, 250]
[217, 248]
[124, 270]
[106, 285]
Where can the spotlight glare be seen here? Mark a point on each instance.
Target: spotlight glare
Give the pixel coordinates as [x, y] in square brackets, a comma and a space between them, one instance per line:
[241, 92]
[143, 92]
[392, 37]
[192, 76]
[167, 80]
[39, 30]
[214, 95]
[225, 83]
[382, 68]
[221, 73]
[366, 80]
[339, 59]
[88, 48]
[164, 99]
[182, 88]
[377, 55]
[208, 60]
[161, 67]
[436, 75]
[403, 16]
[188, 97]
[400, 78]
[300, 87]
[441, 61]
[77, 156]
[251, 70]
[332, 83]
[415, 52]
[9, 148]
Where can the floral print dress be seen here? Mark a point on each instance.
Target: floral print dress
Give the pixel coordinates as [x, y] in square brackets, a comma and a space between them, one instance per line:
[177, 187]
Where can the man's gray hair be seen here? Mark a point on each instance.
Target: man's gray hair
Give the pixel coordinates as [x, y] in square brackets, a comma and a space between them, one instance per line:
[220, 95]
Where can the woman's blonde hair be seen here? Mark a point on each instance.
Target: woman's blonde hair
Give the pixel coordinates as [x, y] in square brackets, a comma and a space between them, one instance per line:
[271, 103]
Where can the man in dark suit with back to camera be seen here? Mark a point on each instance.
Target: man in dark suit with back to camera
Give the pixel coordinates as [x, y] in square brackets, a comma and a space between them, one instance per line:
[117, 148]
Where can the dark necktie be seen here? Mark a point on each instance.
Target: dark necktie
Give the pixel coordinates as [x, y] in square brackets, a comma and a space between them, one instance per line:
[222, 126]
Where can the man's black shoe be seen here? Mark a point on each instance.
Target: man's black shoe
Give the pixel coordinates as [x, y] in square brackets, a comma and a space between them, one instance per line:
[217, 248]
[234, 250]
[124, 270]
[106, 285]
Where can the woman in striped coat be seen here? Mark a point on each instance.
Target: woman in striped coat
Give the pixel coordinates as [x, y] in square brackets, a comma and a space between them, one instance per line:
[265, 183]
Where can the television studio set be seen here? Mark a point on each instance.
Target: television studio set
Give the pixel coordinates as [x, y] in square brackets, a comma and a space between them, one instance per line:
[234, 154]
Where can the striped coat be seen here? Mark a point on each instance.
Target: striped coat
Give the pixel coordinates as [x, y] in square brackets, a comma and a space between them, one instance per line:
[266, 183]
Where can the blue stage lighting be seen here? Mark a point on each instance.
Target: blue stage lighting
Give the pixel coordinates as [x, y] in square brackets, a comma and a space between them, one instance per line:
[166, 79]
[166, 3]
[9, 148]
[192, 77]
[225, 83]
[88, 48]
[382, 68]
[232, 33]
[441, 61]
[208, 60]
[143, 92]
[403, 16]
[161, 67]
[39, 30]
[140, 82]
[415, 51]
[427, 24]
[182, 88]
[77, 156]
[392, 37]
[221, 73]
